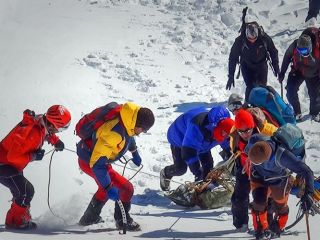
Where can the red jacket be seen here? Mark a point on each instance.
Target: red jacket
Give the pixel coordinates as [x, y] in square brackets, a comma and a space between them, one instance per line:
[17, 148]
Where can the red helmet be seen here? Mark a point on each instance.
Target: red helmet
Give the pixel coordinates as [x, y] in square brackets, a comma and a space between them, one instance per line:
[58, 116]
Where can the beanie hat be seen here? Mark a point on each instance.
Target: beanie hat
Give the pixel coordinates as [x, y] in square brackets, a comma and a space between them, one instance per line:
[234, 99]
[145, 119]
[304, 41]
[222, 130]
[260, 152]
[244, 120]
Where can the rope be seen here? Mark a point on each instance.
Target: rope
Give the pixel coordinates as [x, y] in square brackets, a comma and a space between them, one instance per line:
[139, 170]
[49, 182]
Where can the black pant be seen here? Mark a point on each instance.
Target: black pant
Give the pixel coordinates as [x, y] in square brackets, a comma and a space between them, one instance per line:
[313, 86]
[254, 77]
[240, 198]
[179, 166]
[22, 190]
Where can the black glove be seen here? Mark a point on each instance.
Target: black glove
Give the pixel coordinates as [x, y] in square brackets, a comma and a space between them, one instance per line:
[229, 83]
[38, 155]
[306, 202]
[59, 146]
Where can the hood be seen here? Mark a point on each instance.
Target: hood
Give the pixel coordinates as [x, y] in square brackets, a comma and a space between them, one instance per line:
[128, 113]
[215, 115]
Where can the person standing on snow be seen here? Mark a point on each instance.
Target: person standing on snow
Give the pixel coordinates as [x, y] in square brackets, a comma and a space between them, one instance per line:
[304, 56]
[192, 136]
[21, 146]
[252, 49]
[314, 7]
[270, 178]
[246, 124]
[108, 144]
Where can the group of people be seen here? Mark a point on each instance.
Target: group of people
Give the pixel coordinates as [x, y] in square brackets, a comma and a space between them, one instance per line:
[108, 143]
[253, 49]
[261, 168]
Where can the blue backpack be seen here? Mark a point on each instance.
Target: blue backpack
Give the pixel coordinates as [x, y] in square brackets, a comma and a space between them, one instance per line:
[290, 137]
[268, 99]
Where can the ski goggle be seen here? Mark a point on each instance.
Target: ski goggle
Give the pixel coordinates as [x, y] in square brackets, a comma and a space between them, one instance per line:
[235, 106]
[60, 129]
[304, 51]
[246, 131]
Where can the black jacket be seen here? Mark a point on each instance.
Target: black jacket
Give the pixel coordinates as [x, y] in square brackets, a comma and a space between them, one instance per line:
[252, 54]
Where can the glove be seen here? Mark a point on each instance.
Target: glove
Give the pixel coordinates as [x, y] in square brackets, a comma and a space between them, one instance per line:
[136, 159]
[112, 192]
[38, 155]
[229, 83]
[280, 77]
[59, 146]
[306, 202]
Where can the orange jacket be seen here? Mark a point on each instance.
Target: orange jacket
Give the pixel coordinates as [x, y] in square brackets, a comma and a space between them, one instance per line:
[17, 148]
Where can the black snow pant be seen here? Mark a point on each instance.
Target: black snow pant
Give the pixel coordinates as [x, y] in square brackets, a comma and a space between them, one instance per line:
[254, 77]
[179, 166]
[313, 85]
[22, 190]
[240, 198]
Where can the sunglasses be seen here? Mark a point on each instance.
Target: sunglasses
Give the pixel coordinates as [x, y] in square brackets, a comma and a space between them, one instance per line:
[235, 106]
[246, 131]
[304, 51]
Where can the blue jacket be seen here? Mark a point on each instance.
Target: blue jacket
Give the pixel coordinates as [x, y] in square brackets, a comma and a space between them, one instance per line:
[192, 132]
[275, 169]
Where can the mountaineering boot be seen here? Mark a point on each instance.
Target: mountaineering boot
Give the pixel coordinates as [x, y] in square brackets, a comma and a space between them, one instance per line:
[131, 225]
[277, 226]
[164, 181]
[299, 117]
[18, 217]
[260, 225]
[92, 213]
[316, 118]
[244, 228]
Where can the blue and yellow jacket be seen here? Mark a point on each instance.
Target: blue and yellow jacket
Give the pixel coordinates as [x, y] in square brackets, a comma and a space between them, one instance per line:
[110, 142]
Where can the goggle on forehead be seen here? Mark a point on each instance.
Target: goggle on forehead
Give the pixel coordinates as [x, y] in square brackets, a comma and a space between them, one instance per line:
[304, 51]
[235, 106]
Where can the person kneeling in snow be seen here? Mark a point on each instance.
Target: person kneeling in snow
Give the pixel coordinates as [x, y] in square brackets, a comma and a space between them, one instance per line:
[270, 178]
[21, 146]
[192, 136]
[108, 144]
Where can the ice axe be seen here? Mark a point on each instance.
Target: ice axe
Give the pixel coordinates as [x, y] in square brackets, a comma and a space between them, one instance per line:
[124, 217]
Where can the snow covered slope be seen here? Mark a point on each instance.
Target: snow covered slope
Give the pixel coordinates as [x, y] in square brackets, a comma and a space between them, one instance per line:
[168, 55]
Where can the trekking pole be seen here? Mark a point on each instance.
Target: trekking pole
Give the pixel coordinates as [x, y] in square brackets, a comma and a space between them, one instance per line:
[170, 228]
[124, 217]
[281, 85]
[307, 222]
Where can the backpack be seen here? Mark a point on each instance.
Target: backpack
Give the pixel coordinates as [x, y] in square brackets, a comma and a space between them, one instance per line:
[90, 122]
[269, 100]
[290, 137]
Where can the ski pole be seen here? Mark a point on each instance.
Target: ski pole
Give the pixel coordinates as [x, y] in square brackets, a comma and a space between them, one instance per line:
[307, 222]
[124, 217]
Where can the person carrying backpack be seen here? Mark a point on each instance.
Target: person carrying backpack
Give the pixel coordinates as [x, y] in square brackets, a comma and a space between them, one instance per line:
[270, 178]
[252, 49]
[246, 124]
[304, 56]
[192, 136]
[108, 143]
[21, 146]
